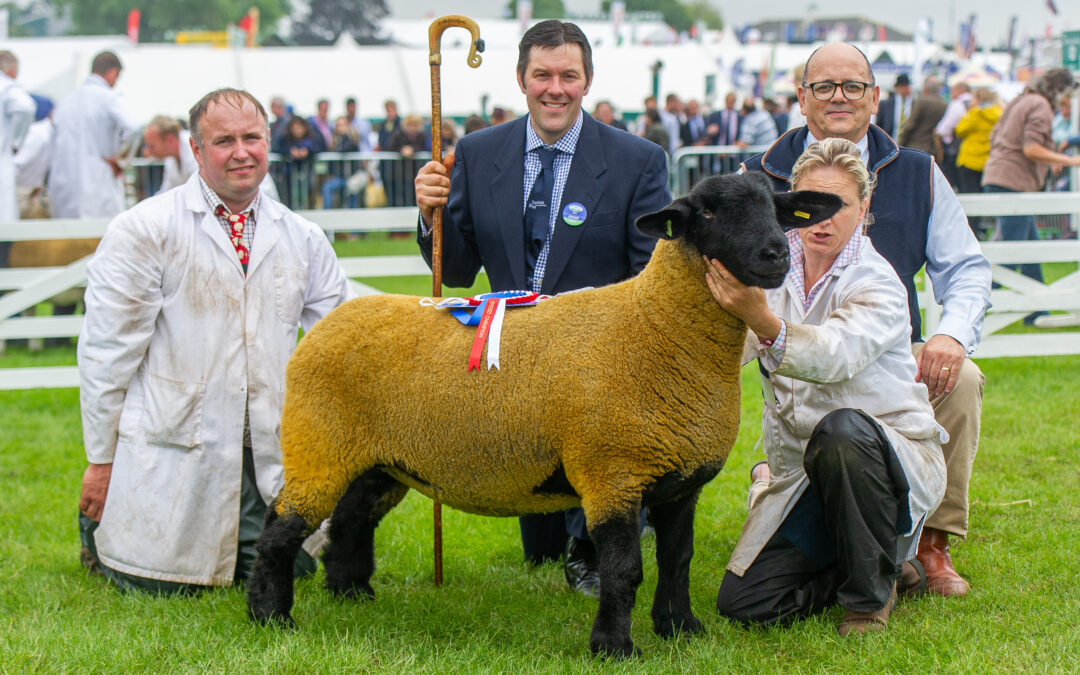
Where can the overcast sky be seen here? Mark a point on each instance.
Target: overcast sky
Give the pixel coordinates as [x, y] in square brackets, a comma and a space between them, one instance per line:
[992, 15]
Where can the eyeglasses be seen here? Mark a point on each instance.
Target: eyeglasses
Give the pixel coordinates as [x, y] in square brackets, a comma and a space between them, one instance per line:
[853, 91]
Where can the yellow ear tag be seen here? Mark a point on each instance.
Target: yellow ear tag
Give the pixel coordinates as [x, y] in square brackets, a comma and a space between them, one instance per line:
[802, 214]
[669, 227]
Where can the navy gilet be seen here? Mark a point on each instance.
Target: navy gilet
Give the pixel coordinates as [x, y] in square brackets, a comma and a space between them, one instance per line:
[901, 204]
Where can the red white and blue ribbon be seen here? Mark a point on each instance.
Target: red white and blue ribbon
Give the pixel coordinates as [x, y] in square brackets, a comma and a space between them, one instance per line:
[486, 311]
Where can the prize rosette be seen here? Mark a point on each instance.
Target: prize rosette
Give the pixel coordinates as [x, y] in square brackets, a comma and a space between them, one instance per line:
[485, 311]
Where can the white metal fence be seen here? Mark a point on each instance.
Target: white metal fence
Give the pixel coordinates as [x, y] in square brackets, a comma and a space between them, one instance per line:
[1016, 297]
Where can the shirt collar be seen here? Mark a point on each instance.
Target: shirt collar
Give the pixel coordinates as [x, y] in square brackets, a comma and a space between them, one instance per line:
[565, 144]
[213, 200]
[862, 144]
[847, 256]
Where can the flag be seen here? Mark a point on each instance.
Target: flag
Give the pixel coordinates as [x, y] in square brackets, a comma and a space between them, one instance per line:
[133, 25]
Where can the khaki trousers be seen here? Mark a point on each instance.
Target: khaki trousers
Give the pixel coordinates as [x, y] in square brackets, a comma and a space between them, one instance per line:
[960, 412]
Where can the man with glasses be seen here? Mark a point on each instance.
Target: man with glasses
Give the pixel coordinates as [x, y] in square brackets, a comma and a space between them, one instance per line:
[917, 221]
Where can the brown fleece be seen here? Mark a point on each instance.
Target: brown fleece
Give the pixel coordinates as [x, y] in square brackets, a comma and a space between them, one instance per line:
[619, 385]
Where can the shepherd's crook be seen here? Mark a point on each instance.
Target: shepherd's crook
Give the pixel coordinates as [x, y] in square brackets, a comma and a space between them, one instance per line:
[435, 32]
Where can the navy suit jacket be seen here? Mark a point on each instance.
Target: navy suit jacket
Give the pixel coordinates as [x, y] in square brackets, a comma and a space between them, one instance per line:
[886, 115]
[615, 175]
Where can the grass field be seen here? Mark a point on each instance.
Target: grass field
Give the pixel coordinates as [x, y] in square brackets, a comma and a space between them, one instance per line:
[495, 615]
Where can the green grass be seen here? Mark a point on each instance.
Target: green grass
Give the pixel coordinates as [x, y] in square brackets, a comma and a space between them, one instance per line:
[494, 614]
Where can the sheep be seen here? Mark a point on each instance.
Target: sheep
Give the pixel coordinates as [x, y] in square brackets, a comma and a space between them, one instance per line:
[613, 399]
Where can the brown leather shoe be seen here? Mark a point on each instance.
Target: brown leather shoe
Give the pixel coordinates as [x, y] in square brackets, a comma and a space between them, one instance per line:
[941, 578]
[860, 623]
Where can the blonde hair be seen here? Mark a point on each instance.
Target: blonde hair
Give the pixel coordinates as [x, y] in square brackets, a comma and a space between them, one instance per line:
[165, 125]
[985, 95]
[837, 153]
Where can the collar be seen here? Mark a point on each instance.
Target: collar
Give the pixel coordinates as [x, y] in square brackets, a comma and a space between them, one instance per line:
[862, 144]
[566, 144]
[847, 256]
[213, 200]
[97, 80]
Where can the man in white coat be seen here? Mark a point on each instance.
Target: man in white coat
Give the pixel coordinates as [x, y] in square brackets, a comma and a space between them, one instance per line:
[92, 125]
[167, 141]
[193, 301]
[16, 114]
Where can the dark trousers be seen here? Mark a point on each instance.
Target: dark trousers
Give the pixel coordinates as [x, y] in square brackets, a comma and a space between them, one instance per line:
[252, 511]
[970, 181]
[839, 543]
[948, 163]
[1019, 228]
[544, 536]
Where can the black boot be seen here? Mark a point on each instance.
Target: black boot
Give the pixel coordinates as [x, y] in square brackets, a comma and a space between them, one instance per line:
[581, 568]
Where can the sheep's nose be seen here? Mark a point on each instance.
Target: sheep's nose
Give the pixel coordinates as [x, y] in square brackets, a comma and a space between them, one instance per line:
[775, 252]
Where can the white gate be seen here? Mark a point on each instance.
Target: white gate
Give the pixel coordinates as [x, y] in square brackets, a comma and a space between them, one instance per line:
[1017, 296]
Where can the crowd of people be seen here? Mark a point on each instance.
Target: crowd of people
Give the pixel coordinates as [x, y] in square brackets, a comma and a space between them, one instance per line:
[871, 430]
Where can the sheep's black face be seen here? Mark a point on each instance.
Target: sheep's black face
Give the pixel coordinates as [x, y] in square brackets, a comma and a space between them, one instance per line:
[737, 219]
[736, 224]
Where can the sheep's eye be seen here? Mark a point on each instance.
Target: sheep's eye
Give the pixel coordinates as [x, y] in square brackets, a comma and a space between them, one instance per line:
[706, 213]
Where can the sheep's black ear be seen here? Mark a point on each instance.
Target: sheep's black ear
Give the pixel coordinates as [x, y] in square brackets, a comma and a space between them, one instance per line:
[805, 207]
[670, 222]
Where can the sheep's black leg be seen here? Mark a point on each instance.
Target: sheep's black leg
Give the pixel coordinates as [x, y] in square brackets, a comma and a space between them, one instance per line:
[270, 587]
[674, 522]
[350, 556]
[619, 548]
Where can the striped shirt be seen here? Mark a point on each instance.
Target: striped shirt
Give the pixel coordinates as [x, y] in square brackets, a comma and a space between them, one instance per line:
[566, 146]
[252, 213]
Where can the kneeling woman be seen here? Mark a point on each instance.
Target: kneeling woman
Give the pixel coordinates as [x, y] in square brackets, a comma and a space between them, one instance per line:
[853, 449]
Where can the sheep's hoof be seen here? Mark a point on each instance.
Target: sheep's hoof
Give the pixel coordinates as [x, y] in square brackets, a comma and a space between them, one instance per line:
[273, 620]
[615, 649]
[671, 626]
[353, 591]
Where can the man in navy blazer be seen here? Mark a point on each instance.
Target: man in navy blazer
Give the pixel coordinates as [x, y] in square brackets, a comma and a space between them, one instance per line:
[603, 180]
[895, 109]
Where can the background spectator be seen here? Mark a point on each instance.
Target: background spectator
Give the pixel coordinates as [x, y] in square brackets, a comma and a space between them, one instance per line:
[344, 139]
[1021, 152]
[298, 148]
[973, 133]
[408, 140]
[946, 129]
[605, 112]
[918, 131]
[655, 130]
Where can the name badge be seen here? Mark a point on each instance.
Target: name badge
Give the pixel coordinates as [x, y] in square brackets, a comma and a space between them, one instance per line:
[574, 214]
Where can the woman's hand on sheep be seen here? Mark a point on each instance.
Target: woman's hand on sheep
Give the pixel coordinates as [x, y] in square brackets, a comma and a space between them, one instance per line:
[95, 487]
[433, 187]
[745, 302]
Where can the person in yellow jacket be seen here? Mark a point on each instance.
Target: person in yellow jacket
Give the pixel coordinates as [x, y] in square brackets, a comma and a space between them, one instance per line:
[973, 130]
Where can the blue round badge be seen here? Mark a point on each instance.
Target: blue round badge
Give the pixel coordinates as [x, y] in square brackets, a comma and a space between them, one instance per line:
[573, 214]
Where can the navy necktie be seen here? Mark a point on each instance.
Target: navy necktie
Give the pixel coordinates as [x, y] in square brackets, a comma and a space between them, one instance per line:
[538, 210]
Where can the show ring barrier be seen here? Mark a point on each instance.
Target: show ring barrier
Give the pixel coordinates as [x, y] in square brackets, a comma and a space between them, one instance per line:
[1016, 297]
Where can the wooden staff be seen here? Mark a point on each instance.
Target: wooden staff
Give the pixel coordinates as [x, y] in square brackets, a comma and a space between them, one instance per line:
[435, 31]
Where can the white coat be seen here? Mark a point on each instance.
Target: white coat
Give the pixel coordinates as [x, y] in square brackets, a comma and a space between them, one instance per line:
[32, 159]
[175, 340]
[16, 114]
[852, 349]
[91, 125]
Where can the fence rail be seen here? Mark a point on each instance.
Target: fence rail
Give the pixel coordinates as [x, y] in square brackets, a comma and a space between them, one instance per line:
[1016, 297]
